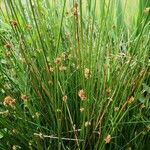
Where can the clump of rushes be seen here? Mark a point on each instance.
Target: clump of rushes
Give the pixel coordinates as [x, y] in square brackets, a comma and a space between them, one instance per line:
[80, 73]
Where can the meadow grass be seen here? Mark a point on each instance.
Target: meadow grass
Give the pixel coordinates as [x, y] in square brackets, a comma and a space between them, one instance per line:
[74, 75]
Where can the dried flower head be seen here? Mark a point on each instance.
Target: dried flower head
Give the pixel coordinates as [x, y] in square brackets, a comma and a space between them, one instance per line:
[108, 139]
[108, 90]
[9, 101]
[29, 26]
[63, 55]
[50, 82]
[37, 114]
[75, 10]
[82, 95]
[67, 13]
[62, 68]
[14, 131]
[81, 109]
[13, 23]
[129, 148]
[8, 45]
[24, 97]
[23, 60]
[8, 54]
[87, 73]
[58, 110]
[116, 109]
[14, 147]
[57, 60]
[87, 123]
[51, 69]
[147, 10]
[114, 26]
[130, 99]
[148, 127]
[64, 98]
[142, 106]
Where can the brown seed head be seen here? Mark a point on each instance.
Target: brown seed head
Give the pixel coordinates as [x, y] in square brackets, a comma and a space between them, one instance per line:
[108, 139]
[82, 95]
[63, 55]
[24, 97]
[50, 82]
[57, 60]
[8, 45]
[130, 99]
[8, 54]
[51, 69]
[29, 26]
[9, 101]
[14, 131]
[113, 26]
[64, 98]
[87, 73]
[14, 147]
[62, 68]
[13, 23]
[87, 123]
[75, 9]
[108, 90]
[142, 106]
[116, 109]
[147, 10]
[81, 109]
[37, 114]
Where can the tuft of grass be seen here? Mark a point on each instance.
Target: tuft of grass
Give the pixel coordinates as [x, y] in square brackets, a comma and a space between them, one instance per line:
[74, 75]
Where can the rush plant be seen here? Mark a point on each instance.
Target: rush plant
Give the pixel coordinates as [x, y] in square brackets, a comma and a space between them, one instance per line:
[74, 75]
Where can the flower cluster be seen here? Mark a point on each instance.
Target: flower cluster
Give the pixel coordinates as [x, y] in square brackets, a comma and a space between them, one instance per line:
[64, 98]
[24, 97]
[57, 60]
[8, 45]
[147, 10]
[87, 123]
[87, 73]
[130, 100]
[9, 101]
[108, 139]
[82, 95]
[13, 23]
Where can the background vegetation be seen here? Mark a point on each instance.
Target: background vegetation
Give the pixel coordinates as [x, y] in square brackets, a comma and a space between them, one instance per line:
[74, 74]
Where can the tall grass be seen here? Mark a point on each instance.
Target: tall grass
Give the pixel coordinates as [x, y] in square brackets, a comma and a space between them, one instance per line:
[74, 75]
